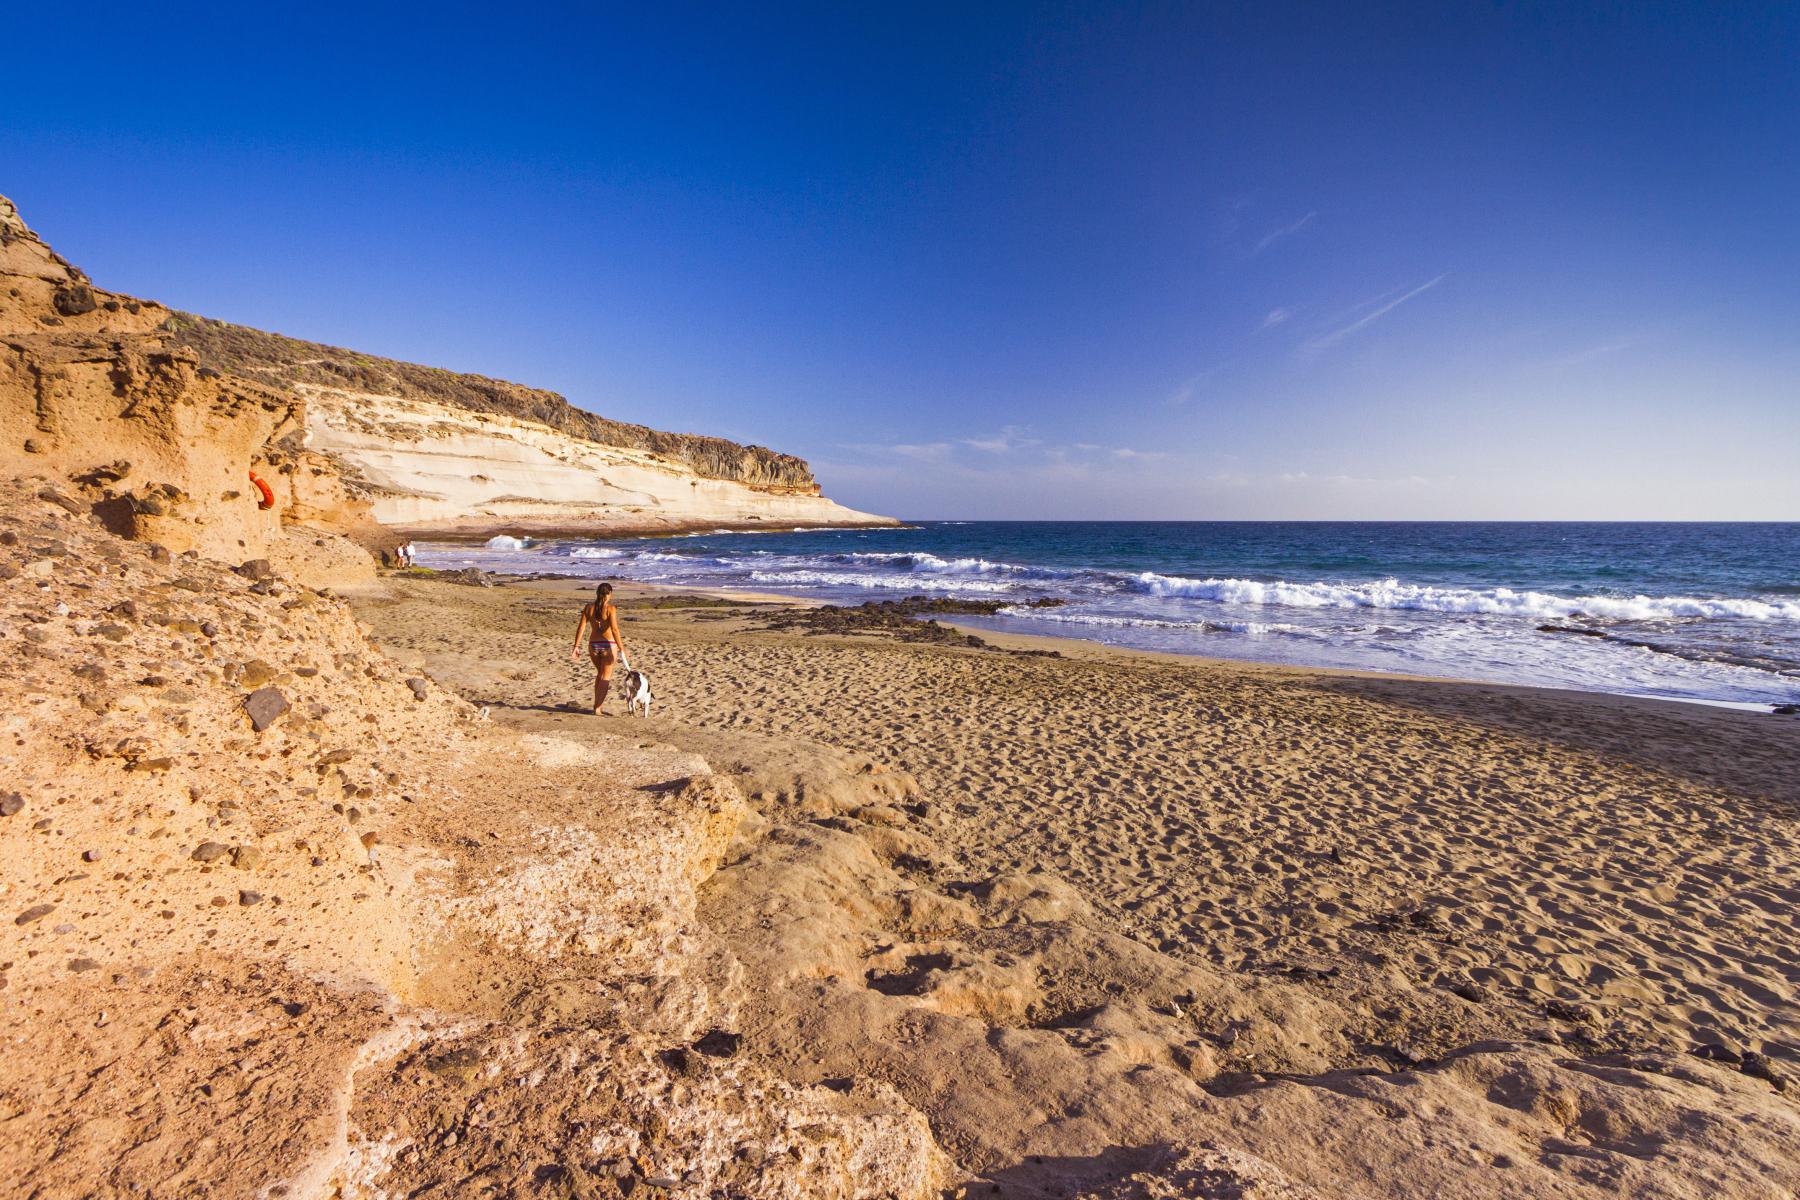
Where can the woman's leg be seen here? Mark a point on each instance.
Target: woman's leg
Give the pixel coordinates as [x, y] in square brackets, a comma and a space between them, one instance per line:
[604, 661]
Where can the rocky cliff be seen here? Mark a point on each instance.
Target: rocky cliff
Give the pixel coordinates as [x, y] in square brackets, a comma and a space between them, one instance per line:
[98, 399]
[445, 454]
[284, 362]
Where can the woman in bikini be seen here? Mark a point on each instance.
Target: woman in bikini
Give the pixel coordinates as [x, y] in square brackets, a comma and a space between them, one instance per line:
[600, 620]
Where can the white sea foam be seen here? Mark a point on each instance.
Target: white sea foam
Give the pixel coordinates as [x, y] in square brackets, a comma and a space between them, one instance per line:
[1392, 594]
[505, 542]
[849, 579]
[596, 552]
[1066, 617]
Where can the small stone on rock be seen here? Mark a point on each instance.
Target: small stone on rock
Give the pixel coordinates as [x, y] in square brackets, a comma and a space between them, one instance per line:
[263, 706]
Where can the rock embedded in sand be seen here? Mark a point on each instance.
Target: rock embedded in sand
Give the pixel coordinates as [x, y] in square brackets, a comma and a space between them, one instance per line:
[264, 706]
[207, 852]
[418, 687]
[36, 912]
[11, 803]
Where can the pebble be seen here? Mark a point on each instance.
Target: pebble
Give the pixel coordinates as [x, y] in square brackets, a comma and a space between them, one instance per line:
[247, 898]
[82, 964]
[36, 912]
[11, 803]
[246, 858]
[210, 851]
[418, 687]
[90, 856]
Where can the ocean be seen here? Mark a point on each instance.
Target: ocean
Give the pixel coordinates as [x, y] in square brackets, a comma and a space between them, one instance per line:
[1685, 611]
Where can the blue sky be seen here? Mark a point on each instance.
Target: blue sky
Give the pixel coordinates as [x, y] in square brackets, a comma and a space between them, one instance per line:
[1437, 261]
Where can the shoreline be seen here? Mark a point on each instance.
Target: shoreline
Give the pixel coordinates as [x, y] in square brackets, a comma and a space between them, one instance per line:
[580, 585]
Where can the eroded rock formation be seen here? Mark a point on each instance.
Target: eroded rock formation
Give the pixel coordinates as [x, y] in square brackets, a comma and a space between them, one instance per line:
[97, 398]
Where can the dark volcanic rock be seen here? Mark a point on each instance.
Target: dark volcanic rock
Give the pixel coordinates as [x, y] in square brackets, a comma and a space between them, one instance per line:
[263, 706]
[74, 299]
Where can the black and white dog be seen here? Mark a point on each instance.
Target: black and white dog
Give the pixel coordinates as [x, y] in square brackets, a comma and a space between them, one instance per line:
[636, 688]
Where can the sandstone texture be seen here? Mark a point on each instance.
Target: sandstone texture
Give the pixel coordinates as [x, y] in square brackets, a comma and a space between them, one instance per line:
[358, 943]
[99, 401]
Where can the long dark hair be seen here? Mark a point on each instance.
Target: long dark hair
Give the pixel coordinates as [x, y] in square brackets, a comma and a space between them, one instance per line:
[602, 595]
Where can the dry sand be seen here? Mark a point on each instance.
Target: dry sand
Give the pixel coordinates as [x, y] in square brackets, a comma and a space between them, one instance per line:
[1119, 916]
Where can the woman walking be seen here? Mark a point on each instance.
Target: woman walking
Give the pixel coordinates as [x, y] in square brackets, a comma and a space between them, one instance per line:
[600, 620]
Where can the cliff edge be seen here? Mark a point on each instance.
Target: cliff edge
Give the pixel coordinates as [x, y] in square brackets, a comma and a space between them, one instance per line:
[443, 454]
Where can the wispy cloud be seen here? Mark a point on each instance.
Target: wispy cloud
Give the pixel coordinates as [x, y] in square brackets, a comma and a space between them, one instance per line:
[1342, 479]
[1274, 317]
[1010, 438]
[1024, 453]
[1598, 351]
[924, 452]
[1188, 389]
[1286, 231]
[1326, 340]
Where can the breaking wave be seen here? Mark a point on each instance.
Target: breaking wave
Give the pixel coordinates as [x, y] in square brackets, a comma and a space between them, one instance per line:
[1392, 594]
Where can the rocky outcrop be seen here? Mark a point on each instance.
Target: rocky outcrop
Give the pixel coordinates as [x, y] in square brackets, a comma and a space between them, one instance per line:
[284, 362]
[97, 398]
[431, 469]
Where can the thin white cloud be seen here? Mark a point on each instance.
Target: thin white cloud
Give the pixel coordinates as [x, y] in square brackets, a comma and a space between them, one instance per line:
[1324, 341]
[1354, 481]
[1010, 438]
[1592, 352]
[1286, 231]
[926, 452]
[1189, 388]
[1275, 317]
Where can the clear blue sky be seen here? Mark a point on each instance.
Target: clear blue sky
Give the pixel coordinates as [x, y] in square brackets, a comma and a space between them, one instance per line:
[1438, 260]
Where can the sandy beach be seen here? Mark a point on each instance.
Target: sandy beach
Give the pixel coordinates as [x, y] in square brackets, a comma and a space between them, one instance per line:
[1270, 889]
